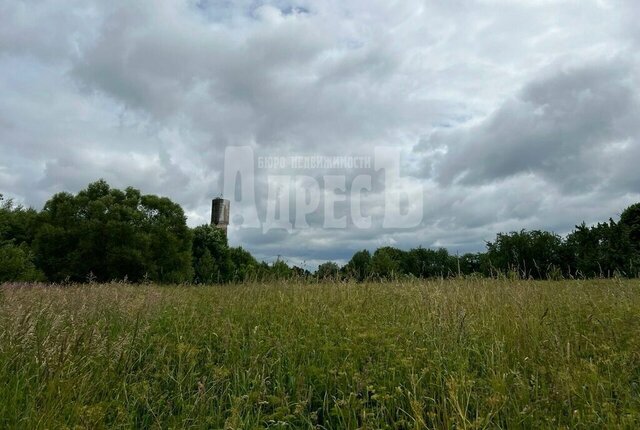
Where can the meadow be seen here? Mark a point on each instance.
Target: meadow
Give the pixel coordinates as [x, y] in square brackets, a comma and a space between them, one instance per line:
[466, 354]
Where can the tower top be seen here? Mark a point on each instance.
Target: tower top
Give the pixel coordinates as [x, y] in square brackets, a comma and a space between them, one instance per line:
[220, 213]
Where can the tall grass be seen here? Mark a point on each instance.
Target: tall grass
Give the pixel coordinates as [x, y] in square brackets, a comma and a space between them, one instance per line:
[439, 354]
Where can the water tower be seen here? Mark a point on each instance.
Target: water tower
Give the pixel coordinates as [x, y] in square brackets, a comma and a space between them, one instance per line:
[220, 213]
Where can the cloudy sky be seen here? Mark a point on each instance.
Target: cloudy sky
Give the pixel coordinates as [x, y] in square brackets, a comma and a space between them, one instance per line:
[509, 114]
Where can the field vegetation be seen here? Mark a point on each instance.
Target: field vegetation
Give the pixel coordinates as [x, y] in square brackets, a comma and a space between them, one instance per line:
[472, 354]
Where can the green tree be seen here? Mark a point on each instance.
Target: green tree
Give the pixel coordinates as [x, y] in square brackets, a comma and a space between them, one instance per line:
[360, 266]
[211, 256]
[245, 266]
[111, 234]
[470, 263]
[328, 270]
[168, 237]
[603, 250]
[387, 262]
[280, 270]
[17, 223]
[535, 254]
[16, 264]
[427, 263]
[17, 226]
[630, 220]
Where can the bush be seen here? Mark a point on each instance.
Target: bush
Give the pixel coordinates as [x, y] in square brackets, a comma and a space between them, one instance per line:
[16, 264]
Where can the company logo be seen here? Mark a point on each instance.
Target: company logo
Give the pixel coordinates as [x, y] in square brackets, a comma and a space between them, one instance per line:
[333, 192]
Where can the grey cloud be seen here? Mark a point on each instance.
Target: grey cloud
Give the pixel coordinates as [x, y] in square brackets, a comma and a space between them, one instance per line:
[45, 30]
[279, 79]
[558, 126]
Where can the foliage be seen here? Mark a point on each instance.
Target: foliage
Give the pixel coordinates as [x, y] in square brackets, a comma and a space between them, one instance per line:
[459, 354]
[359, 267]
[17, 223]
[110, 234]
[328, 271]
[386, 262]
[211, 258]
[279, 271]
[16, 234]
[427, 263]
[530, 254]
[17, 264]
[603, 250]
[630, 220]
[103, 234]
[245, 266]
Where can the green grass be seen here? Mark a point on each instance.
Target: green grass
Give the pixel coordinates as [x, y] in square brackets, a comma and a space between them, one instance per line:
[440, 354]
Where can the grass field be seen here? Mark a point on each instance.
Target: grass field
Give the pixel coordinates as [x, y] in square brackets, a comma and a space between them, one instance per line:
[438, 354]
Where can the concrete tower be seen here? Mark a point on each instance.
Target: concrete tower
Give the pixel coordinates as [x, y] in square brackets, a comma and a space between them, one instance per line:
[220, 213]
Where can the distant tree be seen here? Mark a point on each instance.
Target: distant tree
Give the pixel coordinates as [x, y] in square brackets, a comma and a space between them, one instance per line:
[211, 256]
[17, 223]
[328, 270]
[533, 254]
[205, 269]
[17, 228]
[359, 267]
[164, 228]
[617, 253]
[418, 262]
[470, 263]
[6, 208]
[427, 263]
[583, 246]
[16, 264]
[264, 272]
[603, 250]
[630, 220]
[300, 273]
[245, 266]
[280, 270]
[387, 262]
[445, 264]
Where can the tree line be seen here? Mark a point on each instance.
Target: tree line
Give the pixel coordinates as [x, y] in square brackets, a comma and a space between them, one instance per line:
[103, 234]
[607, 249]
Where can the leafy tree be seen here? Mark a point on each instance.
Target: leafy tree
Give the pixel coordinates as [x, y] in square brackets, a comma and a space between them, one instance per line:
[17, 223]
[168, 237]
[630, 220]
[111, 234]
[300, 273]
[328, 270]
[584, 251]
[211, 256]
[602, 250]
[16, 264]
[245, 266]
[281, 271]
[386, 262]
[360, 266]
[529, 253]
[205, 269]
[471, 263]
[616, 249]
[16, 234]
[103, 233]
[427, 263]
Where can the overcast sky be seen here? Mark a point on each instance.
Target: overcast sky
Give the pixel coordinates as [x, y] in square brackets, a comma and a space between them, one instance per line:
[509, 114]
